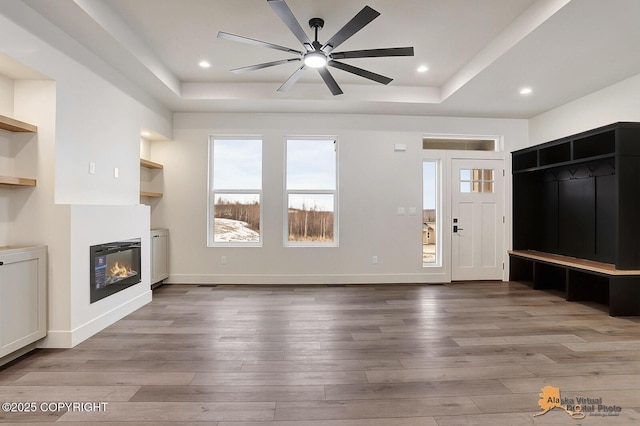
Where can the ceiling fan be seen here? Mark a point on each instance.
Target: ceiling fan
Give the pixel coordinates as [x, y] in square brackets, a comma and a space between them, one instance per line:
[317, 55]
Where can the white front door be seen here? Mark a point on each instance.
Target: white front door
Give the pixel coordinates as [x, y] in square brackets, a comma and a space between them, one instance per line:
[477, 219]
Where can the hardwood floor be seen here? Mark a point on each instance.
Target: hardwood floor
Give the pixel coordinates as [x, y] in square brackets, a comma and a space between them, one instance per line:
[376, 355]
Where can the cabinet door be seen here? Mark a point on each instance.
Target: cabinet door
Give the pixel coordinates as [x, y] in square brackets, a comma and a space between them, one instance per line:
[159, 256]
[22, 301]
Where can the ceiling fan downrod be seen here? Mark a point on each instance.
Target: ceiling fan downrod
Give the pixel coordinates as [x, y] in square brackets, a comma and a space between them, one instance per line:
[316, 58]
[316, 24]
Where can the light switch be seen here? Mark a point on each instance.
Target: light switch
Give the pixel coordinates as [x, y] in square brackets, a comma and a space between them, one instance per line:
[400, 211]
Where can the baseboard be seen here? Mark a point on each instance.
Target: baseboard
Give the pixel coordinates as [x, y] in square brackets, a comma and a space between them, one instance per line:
[57, 339]
[69, 339]
[307, 279]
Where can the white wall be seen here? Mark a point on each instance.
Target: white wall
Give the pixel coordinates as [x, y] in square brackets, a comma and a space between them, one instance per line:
[145, 148]
[6, 161]
[96, 121]
[99, 124]
[373, 181]
[6, 96]
[81, 118]
[618, 102]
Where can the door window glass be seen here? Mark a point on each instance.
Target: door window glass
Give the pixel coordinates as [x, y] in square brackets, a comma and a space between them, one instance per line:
[477, 180]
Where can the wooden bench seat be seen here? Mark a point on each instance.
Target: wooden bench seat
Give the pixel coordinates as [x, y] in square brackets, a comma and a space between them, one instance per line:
[579, 279]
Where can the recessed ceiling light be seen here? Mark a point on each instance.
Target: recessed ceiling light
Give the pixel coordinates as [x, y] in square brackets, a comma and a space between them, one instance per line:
[423, 68]
[526, 91]
[204, 64]
[145, 134]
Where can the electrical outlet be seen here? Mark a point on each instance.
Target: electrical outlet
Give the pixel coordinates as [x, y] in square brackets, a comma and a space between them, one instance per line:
[116, 172]
[374, 260]
[223, 260]
[92, 168]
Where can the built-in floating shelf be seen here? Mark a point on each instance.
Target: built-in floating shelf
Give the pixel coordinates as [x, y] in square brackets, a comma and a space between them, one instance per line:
[12, 125]
[16, 181]
[151, 194]
[150, 164]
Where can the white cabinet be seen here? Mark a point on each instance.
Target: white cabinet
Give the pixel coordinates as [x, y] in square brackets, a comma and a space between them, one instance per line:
[23, 298]
[159, 255]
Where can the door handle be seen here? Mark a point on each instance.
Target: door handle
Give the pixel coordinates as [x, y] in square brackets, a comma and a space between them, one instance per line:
[456, 229]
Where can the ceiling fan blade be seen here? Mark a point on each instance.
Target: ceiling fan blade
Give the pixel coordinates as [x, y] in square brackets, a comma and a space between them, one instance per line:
[359, 71]
[330, 81]
[247, 40]
[374, 53]
[265, 65]
[358, 22]
[282, 10]
[292, 79]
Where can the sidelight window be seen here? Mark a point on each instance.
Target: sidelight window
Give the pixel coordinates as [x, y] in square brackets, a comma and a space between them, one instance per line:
[429, 212]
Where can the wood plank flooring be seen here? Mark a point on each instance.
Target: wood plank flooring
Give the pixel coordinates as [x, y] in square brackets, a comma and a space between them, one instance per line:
[377, 355]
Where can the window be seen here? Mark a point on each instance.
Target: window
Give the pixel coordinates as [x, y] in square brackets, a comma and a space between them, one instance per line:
[311, 192]
[429, 212]
[235, 192]
[460, 143]
[476, 180]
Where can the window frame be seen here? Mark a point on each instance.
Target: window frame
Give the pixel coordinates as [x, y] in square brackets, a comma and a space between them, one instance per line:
[297, 191]
[212, 192]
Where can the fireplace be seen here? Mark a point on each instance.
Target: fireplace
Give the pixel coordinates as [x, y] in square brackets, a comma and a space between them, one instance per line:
[114, 267]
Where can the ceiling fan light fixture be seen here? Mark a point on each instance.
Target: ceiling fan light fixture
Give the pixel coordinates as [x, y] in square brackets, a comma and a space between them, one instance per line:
[315, 59]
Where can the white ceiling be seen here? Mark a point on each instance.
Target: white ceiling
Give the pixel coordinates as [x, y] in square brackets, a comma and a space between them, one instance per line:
[479, 52]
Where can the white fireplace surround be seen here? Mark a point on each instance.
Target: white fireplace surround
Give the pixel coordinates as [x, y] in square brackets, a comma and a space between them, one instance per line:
[91, 225]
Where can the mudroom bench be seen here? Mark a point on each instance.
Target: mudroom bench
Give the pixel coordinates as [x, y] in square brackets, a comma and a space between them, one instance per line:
[578, 279]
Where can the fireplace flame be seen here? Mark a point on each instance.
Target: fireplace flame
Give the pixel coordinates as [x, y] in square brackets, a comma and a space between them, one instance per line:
[121, 271]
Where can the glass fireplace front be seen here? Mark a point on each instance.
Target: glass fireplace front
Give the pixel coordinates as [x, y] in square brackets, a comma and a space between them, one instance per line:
[114, 267]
